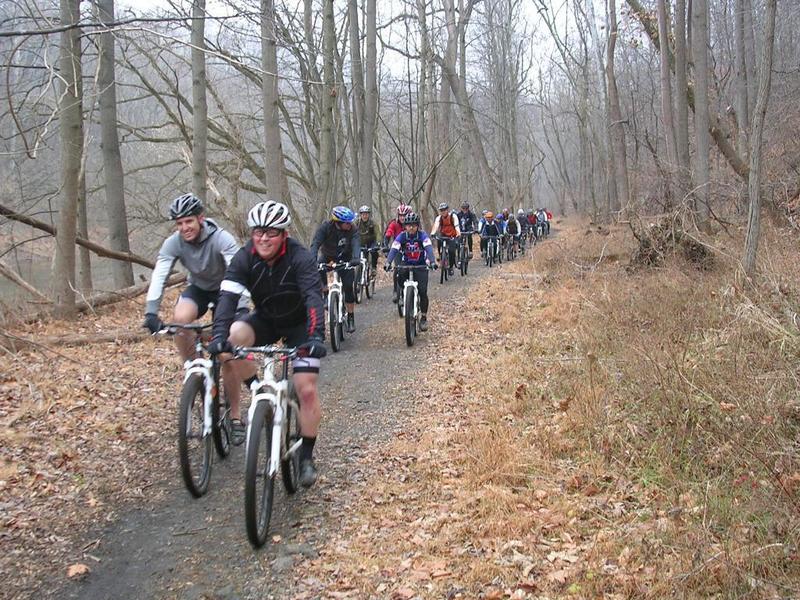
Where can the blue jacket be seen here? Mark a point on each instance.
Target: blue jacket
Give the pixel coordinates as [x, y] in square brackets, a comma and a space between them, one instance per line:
[414, 249]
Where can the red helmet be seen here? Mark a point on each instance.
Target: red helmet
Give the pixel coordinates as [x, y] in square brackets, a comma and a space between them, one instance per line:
[403, 209]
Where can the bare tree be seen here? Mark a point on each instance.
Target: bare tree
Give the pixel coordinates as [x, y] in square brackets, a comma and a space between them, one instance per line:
[760, 113]
[199, 102]
[71, 133]
[702, 175]
[112, 160]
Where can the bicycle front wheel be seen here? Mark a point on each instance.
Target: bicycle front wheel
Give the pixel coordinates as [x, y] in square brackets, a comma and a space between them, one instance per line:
[259, 487]
[334, 324]
[358, 284]
[290, 463]
[194, 449]
[411, 320]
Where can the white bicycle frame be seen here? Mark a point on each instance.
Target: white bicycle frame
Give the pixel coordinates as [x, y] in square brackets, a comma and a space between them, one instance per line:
[269, 389]
[410, 283]
[202, 367]
[336, 286]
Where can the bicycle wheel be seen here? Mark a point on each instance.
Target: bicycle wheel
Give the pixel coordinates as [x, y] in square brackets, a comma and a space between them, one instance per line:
[290, 465]
[400, 302]
[499, 258]
[370, 281]
[443, 269]
[357, 284]
[220, 417]
[333, 320]
[259, 487]
[194, 449]
[462, 260]
[411, 321]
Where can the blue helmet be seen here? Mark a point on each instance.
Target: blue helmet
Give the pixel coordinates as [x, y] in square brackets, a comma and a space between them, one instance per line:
[342, 214]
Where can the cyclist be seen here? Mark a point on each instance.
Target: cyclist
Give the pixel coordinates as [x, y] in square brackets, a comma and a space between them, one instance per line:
[481, 223]
[205, 250]
[337, 240]
[368, 235]
[541, 219]
[280, 275]
[491, 227]
[524, 227]
[532, 222]
[468, 224]
[513, 231]
[414, 247]
[446, 224]
[394, 229]
[549, 216]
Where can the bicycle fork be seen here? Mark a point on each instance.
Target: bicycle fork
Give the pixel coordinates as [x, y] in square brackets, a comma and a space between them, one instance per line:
[202, 367]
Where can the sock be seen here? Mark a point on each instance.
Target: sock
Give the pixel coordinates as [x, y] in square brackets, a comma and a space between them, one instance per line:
[307, 448]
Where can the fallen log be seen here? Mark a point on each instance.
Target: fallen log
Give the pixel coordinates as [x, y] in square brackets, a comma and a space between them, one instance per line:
[15, 343]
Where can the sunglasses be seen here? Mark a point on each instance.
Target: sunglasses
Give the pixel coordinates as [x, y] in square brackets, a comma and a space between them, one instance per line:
[261, 232]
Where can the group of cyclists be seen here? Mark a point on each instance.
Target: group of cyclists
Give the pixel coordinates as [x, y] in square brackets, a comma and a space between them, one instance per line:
[272, 288]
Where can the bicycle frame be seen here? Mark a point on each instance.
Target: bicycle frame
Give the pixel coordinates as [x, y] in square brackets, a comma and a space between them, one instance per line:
[275, 391]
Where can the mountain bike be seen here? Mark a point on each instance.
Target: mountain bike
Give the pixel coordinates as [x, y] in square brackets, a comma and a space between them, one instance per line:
[204, 414]
[410, 301]
[463, 251]
[365, 276]
[492, 249]
[273, 437]
[444, 258]
[335, 303]
[511, 248]
[539, 231]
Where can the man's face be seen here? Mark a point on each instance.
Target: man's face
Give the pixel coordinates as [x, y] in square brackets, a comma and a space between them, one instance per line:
[189, 227]
[365, 216]
[343, 226]
[268, 241]
[443, 212]
[411, 228]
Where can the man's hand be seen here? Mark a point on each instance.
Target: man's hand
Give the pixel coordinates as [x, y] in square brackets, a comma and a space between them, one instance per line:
[433, 265]
[354, 262]
[313, 348]
[387, 267]
[153, 323]
[219, 346]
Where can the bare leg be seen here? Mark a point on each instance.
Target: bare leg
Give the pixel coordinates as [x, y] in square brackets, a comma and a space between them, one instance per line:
[185, 312]
[305, 384]
[241, 334]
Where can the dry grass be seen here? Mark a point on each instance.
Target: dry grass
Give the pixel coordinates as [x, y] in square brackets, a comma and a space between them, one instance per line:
[605, 435]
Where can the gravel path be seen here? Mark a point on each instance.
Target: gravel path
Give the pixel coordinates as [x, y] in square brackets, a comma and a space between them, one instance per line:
[179, 547]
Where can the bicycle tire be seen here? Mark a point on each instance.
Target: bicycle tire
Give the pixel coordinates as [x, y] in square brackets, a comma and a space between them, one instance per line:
[371, 285]
[290, 466]
[220, 417]
[333, 320]
[400, 301]
[462, 263]
[357, 292]
[367, 291]
[411, 325]
[190, 427]
[258, 510]
[499, 257]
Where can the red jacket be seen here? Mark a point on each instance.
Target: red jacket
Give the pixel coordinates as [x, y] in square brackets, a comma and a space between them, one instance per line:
[393, 230]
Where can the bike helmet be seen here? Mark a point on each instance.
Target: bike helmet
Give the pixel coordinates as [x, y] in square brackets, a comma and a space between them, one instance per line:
[365, 209]
[411, 218]
[465, 205]
[483, 212]
[505, 211]
[269, 214]
[520, 212]
[489, 215]
[403, 209]
[342, 214]
[443, 206]
[185, 206]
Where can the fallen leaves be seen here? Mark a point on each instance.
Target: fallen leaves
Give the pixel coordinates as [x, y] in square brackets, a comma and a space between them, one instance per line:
[78, 571]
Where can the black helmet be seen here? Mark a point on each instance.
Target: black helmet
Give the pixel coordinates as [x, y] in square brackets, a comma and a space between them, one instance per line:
[185, 206]
[411, 218]
[443, 206]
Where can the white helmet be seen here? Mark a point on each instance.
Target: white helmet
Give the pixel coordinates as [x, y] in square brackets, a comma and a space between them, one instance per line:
[269, 214]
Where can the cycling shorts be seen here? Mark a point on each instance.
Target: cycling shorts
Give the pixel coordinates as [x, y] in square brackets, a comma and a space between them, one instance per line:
[268, 332]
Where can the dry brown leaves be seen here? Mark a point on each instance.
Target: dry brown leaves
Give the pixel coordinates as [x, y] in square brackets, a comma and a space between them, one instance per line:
[83, 433]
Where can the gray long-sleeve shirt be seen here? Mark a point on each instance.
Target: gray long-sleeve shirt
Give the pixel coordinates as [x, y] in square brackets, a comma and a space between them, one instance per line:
[206, 260]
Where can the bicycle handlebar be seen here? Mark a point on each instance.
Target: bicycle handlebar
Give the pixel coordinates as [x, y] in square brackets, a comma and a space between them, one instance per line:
[172, 328]
[414, 267]
[339, 266]
[270, 350]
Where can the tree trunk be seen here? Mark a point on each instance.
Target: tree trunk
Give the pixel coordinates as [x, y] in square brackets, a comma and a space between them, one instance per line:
[754, 183]
[84, 258]
[681, 99]
[357, 79]
[666, 98]
[327, 150]
[742, 109]
[112, 161]
[370, 106]
[199, 103]
[71, 135]
[617, 126]
[750, 55]
[702, 176]
[275, 179]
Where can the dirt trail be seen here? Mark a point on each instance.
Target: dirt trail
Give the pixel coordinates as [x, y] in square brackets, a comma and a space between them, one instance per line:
[180, 547]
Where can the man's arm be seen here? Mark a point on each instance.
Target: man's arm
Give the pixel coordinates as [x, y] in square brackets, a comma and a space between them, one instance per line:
[435, 227]
[167, 256]
[233, 287]
[319, 239]
[310, 288]
[355, 244]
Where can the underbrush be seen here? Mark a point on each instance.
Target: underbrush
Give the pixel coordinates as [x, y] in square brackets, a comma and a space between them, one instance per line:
[596, 433]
